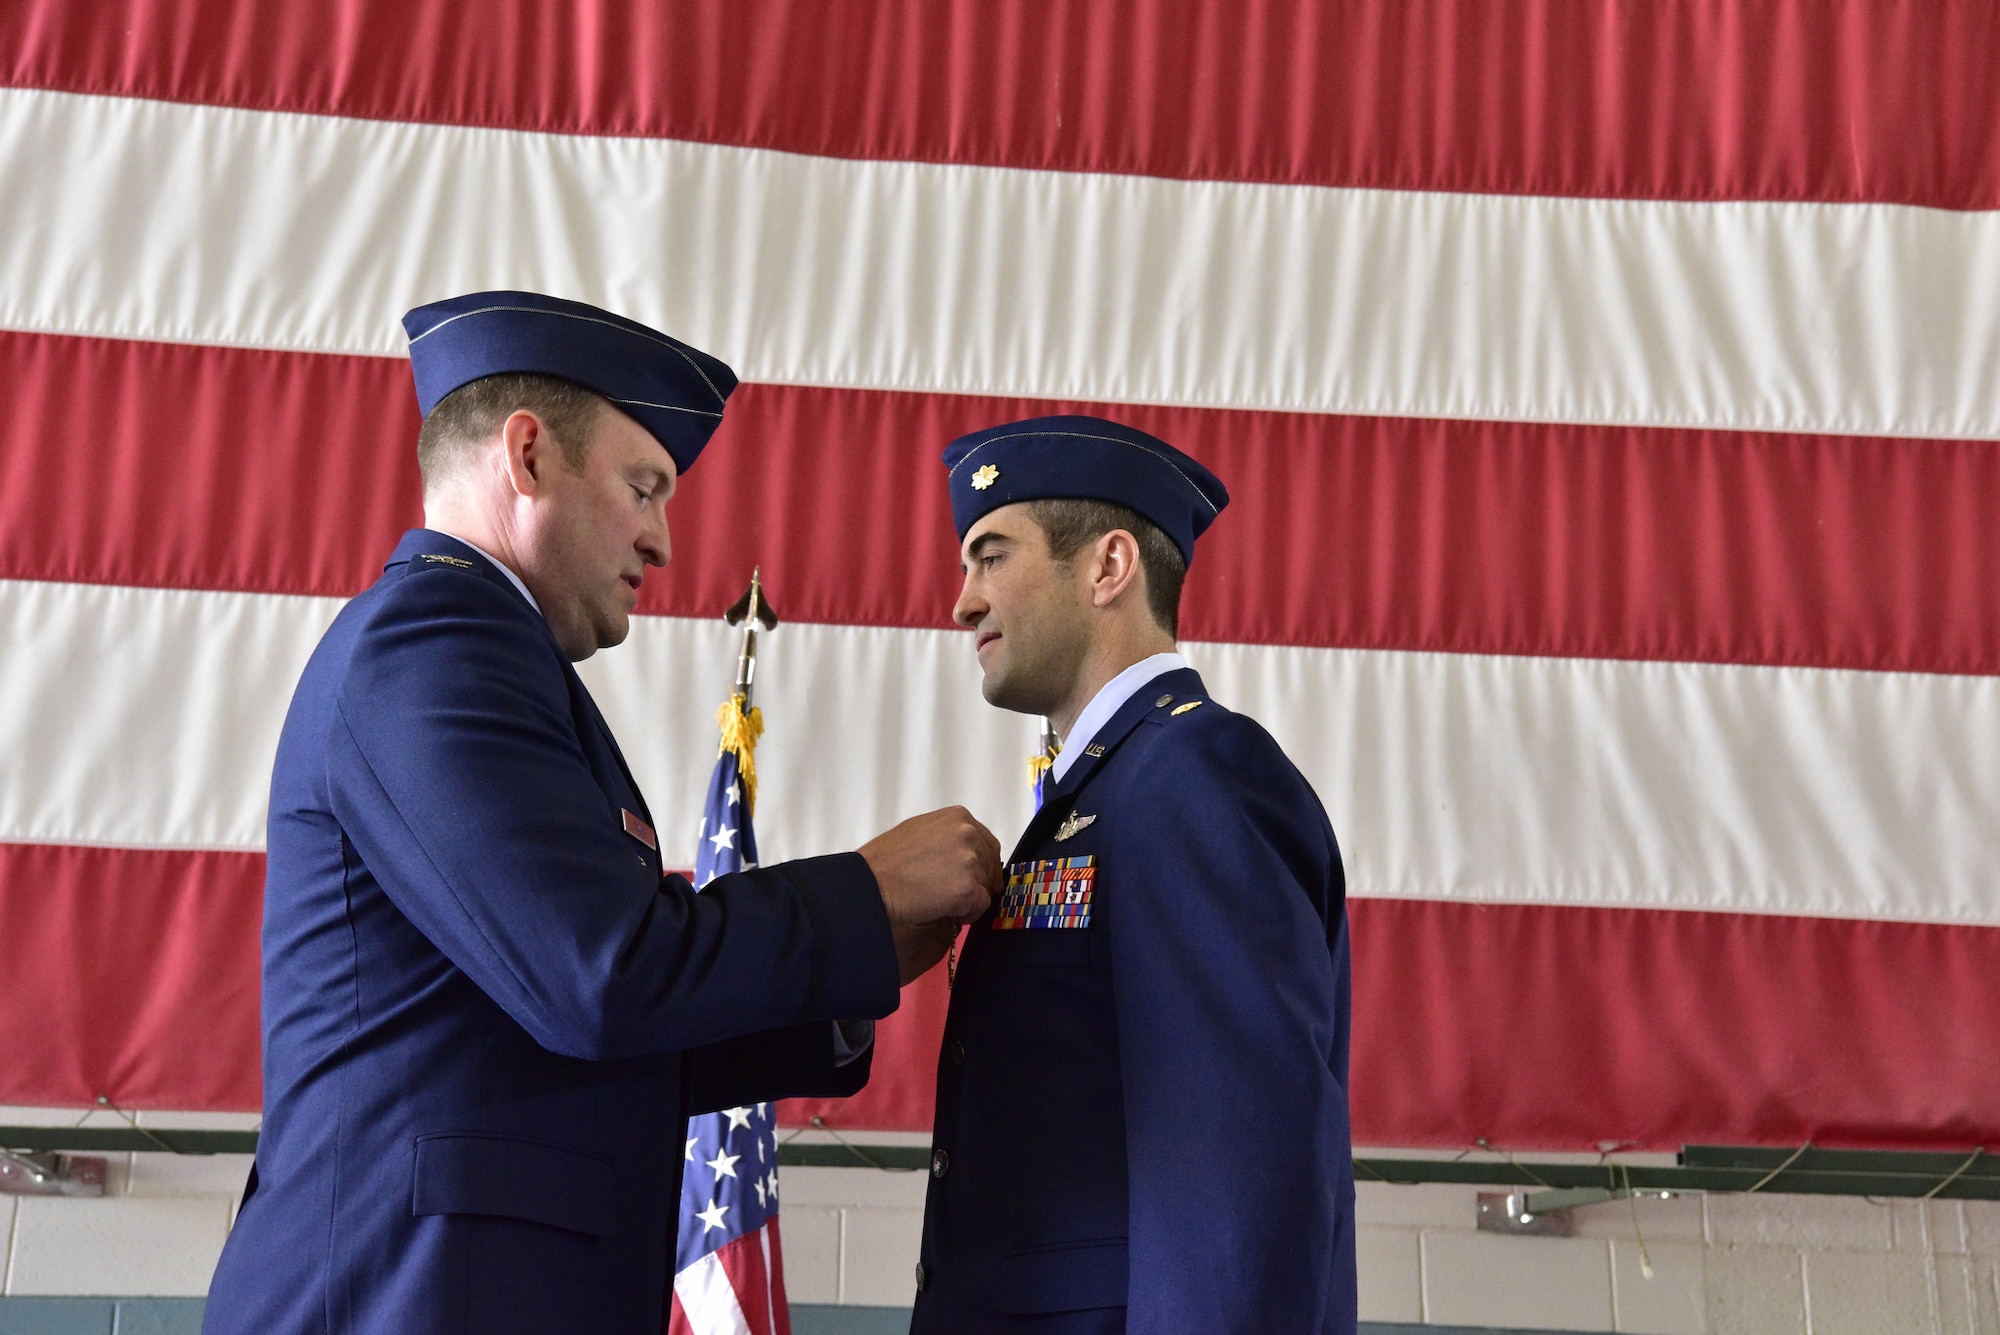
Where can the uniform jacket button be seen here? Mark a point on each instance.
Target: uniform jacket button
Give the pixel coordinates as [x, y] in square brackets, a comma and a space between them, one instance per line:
[940, 1163]
[923, 1276]
[955, 1050]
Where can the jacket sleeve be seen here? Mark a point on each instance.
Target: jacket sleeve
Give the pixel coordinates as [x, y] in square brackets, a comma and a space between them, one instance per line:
[1232, 1031]
[794, 1063]
[458, 777]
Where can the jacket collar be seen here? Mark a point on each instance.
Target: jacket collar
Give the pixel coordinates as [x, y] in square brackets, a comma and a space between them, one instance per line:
[1182, 684]
[421, 542]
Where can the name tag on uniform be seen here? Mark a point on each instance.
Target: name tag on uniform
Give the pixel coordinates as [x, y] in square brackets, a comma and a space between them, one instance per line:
[1048, 894]
[639, 830]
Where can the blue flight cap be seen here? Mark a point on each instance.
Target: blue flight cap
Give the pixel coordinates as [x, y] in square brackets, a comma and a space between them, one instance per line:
[674, 391]
[1083, 458]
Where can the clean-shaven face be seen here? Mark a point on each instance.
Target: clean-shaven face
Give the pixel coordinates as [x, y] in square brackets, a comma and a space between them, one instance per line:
[597, 529]
[1026, 610]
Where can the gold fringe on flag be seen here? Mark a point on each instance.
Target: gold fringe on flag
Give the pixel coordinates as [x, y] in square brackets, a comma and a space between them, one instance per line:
[1038, 766]
[740, 731]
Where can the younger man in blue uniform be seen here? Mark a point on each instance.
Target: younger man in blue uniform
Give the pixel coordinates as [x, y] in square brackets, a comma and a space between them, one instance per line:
[1142, 1098]
[487, 1009]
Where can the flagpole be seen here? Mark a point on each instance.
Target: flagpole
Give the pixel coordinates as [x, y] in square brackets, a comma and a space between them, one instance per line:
[727, 1242]
[750, 611]
[741, 722]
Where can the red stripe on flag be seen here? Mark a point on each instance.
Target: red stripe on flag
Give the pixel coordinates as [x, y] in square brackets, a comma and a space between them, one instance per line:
[1535, 1026]
[1557, 1028]
[130, 974]
[1740, 99]
[282, 472]
[166, 465]
[759, 1289]
[1561, 1027]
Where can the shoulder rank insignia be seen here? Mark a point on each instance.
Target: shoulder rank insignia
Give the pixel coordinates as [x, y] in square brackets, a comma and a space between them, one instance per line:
[443, 560]
[1049, 894]
[1071, 825]
[1192, 704]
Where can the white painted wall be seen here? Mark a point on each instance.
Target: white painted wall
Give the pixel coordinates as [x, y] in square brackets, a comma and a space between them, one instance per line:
[1732, 1265]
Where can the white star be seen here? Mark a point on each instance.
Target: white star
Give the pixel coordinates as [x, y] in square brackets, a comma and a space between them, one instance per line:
[723, 838]
[737, 1117]
[772, 1180]
[764, 1111]
[724, 1164]
[731, 795]
[712, 1216]
[690, 1149]
[763, 1199]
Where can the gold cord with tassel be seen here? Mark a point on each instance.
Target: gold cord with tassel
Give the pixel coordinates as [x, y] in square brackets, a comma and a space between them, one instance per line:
[740, 731]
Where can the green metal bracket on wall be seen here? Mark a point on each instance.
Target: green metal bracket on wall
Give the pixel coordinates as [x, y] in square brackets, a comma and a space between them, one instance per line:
[1806, 1170]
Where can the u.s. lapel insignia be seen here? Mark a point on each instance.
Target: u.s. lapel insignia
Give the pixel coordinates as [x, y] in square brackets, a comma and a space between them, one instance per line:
[1071, 825]
[1094, 749]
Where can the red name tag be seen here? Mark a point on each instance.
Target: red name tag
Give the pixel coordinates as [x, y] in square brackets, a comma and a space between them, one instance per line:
[639, 830]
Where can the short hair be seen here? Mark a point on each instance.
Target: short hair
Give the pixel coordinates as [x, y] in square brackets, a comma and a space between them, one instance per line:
[477, 409]
[1069, 523]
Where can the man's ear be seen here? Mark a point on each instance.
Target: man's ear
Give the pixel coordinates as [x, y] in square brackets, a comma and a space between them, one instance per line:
[527, 447]
[1114, 567]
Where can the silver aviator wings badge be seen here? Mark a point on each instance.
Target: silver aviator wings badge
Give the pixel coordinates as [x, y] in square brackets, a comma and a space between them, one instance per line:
[1072, 825]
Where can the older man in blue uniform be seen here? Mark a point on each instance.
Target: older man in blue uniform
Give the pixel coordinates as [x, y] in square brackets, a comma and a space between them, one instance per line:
[487, 1009]
[1142, 1099]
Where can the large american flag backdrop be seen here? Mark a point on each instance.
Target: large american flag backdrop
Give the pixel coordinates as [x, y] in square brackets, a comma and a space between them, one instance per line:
[1608, 392]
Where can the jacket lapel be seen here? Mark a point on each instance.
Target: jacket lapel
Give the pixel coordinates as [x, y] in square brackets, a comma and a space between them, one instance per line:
[1181, 683]
[610, 744]
[421, 543]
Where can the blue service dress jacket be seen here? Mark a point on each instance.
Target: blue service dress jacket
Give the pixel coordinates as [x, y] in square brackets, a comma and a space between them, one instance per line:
[487, 1012]
[1142, 1119]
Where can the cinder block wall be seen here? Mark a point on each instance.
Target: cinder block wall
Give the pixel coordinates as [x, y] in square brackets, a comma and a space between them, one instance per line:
[1736, 1265]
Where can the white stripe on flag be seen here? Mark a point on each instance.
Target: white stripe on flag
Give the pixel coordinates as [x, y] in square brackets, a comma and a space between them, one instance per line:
[708, 1300]
[152, 220]
[772, 1278]
[149, 717]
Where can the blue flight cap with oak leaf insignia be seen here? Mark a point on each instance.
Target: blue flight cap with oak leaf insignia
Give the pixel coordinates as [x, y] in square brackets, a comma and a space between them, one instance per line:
[1083, 458]
[672, 390]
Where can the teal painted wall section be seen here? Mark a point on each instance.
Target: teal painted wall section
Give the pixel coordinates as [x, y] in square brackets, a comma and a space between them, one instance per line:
[100, 1316]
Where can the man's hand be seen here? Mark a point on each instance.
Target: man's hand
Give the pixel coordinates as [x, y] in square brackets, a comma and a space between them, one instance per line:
[939, 867]
[918, 949]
